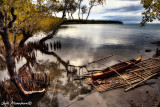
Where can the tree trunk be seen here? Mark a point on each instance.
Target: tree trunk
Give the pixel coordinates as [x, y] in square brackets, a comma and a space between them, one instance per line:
[89, 12]
[4, 31]
[8, 49]
[55, 14]
[14, 36]
[64, 14]
[79, 8]
[72, 16]
[21, 44]
[50, 35]
[26, 35]
[65, 9]
[68, 15]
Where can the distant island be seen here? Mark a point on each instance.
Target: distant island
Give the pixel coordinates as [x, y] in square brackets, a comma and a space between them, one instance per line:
[91, 22]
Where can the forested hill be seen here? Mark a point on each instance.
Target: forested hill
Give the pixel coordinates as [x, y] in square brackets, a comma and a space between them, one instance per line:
[91, 22]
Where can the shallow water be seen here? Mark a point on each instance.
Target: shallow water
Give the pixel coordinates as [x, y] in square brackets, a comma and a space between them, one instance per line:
[85, 43]
[82, 44]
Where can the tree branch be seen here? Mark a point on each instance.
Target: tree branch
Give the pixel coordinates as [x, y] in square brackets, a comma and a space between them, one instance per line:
[1, 23]
[13, 18]
[26, 18]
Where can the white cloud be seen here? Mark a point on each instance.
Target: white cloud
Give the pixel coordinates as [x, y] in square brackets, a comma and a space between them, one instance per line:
[111, 9]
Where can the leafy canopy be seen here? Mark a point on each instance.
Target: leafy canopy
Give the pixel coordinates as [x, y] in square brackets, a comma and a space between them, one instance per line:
[152, 11]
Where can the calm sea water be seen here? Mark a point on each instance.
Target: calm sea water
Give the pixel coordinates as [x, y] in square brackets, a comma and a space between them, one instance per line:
[83, 43]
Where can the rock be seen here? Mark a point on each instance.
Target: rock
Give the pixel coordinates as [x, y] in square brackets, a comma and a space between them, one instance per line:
[85, 90]
[80, 98]
[148, 50]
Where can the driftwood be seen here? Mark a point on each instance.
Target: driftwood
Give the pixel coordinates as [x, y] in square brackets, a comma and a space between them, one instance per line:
[30, 92]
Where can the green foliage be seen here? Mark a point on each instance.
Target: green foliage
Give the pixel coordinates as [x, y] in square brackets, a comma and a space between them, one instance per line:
[49, 23]
[84, 9]
[97, 2]
[152, 11]
[30, 17]
[94, 3]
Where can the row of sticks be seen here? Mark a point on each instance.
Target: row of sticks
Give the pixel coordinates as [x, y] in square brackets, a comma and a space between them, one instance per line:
[34, 82]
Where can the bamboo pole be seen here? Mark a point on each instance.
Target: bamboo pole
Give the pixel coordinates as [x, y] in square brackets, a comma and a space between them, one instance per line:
[89, 80]
[139, 75]
[120, 75]
[129, 88]
[100, 59]
[134, 79]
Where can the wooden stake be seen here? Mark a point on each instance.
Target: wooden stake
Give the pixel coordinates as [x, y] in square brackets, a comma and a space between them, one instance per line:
[49, 80]
[45, 77]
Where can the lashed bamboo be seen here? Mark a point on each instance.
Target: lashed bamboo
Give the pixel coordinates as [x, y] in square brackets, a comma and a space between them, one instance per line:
[140, 82]
[151, 67]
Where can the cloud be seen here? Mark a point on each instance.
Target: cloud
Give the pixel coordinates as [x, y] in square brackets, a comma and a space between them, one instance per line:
[128, 0]
[122, 10]
[124, 18]
[127, 12]
[130, 8]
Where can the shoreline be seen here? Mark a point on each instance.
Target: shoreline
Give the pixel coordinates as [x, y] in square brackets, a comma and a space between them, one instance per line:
[91, 22]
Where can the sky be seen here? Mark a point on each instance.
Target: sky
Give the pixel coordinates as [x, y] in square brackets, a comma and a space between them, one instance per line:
[128, 11]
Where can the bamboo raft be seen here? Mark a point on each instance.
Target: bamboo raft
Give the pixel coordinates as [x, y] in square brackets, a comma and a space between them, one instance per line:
[131, 78]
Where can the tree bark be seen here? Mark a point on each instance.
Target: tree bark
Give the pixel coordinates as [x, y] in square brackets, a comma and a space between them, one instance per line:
[14, 36]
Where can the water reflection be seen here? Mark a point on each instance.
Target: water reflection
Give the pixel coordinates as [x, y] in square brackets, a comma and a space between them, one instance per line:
[78, 45]
[90, 42]
[28, 62]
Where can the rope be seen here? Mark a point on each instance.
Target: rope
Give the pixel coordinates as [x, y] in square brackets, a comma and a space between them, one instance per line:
[121, 76]
[19, 80]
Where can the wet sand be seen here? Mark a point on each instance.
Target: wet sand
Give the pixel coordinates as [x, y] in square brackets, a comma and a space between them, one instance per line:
[144, 95]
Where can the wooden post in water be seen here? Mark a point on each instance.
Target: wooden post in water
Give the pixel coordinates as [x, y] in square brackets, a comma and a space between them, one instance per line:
[40, 78]
[49, 80]
[45, 78]
[37, 77]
